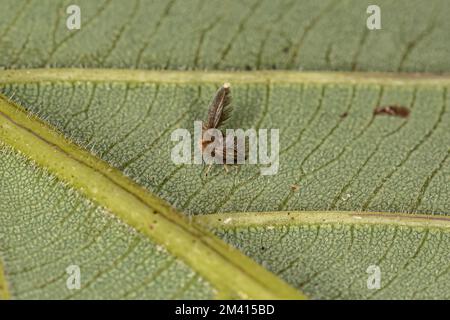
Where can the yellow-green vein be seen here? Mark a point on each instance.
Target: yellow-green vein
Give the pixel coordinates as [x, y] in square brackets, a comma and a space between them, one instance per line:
[139, 76]
[4, 292]
[271, 219]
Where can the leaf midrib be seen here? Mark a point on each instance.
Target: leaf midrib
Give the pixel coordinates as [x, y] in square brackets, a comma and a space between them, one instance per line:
[196, 77]
[285, 218]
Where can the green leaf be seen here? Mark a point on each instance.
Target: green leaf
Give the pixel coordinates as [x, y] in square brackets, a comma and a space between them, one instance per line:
[357, 162]
[106, 193]
[337, 153]
[216, 34]
[69, 216]
[328, 254]
[4, 292]
[47, 226]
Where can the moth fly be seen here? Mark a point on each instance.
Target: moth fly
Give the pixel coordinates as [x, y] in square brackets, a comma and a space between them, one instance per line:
[219, 111]
[398, 111]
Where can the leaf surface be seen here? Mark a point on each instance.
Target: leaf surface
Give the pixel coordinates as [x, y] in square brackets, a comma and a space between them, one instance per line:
[334, 149]
[47, 226]
[354, 162]
[231, 35]
[330, 255]
[125, 241]
[105, 194]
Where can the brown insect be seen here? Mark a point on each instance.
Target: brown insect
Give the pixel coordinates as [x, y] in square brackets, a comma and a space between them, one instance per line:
[219, 112]
[397, 111]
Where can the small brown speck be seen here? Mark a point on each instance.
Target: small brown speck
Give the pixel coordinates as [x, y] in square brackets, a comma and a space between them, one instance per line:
[397, 111]
[344, 115]
[295, 187]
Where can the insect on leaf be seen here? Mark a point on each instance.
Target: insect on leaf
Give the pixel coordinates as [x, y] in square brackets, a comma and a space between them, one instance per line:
[397, 111]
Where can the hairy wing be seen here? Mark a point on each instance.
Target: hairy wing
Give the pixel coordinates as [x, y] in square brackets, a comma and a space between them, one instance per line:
[220, 109]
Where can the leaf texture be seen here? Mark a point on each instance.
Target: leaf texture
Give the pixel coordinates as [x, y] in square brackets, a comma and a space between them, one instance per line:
[231, 35]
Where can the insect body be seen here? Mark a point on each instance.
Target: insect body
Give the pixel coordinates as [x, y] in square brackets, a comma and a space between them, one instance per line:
[219, 112]
[398, 111]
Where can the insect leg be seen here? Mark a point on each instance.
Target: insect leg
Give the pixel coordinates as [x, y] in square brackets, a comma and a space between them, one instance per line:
[208, 169]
